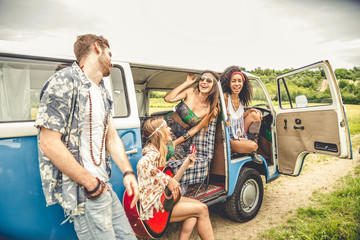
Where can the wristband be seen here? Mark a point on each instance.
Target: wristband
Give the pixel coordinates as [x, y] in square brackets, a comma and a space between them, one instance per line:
[89, 194]
[95, 189]
[186, 135]
[128, 172]
[102, 187]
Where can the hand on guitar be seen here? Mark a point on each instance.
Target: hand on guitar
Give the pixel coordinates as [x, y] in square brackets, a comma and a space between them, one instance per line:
[132, 188]
[174, 187]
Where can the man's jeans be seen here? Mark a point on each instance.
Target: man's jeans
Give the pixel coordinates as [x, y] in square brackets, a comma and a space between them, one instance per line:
[104, 218]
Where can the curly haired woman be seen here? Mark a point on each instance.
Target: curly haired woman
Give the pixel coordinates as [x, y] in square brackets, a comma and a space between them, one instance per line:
[244, 126]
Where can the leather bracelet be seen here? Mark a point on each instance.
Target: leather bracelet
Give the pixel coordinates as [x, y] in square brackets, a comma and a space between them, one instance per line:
[186, 135]
[128, 172]
[95, 189]
[102, 187]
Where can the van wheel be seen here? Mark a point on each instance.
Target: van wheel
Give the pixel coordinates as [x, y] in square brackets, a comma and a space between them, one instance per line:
[247, 198]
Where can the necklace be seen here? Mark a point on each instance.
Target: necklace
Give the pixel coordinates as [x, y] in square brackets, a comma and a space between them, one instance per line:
[103, 137]
[235, 104]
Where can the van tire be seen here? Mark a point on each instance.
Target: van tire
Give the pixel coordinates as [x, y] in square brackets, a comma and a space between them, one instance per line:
[247, 198]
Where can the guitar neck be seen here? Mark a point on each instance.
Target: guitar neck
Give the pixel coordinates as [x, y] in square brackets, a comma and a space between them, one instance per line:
[182, 169]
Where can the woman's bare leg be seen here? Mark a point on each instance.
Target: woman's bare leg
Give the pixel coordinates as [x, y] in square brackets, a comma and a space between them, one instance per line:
[187, 228]
[190, 208]
[243, 146]
[252, 117]
[252, 125]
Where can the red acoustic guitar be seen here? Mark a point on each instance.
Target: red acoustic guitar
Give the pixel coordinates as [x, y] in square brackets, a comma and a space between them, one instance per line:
[155, 227]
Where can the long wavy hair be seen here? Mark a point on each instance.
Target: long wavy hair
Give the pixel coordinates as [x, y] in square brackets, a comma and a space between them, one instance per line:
[246, 92]
[213, 96]
[158, 139]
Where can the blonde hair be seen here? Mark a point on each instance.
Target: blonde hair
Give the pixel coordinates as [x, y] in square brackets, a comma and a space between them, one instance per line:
[157, 139]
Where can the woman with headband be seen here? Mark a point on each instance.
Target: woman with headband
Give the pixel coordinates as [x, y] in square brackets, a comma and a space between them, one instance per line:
[152, 183]
[244, 126]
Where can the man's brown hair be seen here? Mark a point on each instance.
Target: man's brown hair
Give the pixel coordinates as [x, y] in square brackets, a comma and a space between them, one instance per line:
[83, 44]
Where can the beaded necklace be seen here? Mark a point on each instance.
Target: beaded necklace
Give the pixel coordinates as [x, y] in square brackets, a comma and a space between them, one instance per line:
[103, 137]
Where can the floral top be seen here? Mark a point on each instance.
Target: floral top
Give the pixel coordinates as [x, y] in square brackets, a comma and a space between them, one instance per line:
[152, 182]
[62, 109]
[179, 126]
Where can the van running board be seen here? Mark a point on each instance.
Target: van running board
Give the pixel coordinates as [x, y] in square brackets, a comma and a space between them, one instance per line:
[213, 191]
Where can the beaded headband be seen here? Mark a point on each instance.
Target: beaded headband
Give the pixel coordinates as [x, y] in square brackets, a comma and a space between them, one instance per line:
[240, 73]
[156, 130]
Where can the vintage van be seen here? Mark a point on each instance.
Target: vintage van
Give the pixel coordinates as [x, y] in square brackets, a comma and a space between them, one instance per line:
[298, 127]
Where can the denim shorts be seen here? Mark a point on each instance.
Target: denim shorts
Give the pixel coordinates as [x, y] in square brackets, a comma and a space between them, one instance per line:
[104, 218]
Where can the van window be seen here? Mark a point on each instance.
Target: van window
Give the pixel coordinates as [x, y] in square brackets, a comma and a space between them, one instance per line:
[305, 89]
[119, 94]
[158, 104]
[259, 98]
[21, 81]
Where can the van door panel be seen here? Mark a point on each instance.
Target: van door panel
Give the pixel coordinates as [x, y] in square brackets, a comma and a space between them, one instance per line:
[310, 118]
[316, 132]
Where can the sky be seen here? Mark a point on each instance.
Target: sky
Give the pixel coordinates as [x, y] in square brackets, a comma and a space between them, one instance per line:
[199, 34]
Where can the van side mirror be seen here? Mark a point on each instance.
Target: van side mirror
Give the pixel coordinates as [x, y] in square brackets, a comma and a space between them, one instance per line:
[301, 101]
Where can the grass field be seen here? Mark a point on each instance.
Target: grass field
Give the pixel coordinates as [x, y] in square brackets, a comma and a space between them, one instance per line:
[353, 116]
[334, 215]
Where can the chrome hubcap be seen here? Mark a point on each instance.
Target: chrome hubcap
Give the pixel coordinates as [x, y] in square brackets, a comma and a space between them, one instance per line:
[249, 195]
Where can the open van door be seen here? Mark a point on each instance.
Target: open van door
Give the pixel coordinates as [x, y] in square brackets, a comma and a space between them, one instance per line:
[311, 121]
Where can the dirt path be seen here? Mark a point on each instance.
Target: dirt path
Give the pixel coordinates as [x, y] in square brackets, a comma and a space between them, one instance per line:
[281, 198]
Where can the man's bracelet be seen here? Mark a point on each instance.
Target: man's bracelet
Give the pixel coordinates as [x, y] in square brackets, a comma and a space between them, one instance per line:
[128, 172]
[102, 187]
[95, 189]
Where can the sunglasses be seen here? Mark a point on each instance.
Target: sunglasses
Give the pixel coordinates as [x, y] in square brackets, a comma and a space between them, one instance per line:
[208, 80]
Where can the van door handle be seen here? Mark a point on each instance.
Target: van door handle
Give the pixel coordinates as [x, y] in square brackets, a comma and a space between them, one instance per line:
[285, 121]
[134, 150]
[302, 127]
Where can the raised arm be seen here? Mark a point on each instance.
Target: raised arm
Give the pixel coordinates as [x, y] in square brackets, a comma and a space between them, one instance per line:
[181, 91]
[116, 148]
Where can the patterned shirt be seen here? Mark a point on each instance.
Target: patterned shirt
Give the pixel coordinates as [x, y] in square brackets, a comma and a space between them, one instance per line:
[62, 109]
[152, 182]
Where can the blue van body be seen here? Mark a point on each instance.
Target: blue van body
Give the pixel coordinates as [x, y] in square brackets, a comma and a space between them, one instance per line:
[23, 207]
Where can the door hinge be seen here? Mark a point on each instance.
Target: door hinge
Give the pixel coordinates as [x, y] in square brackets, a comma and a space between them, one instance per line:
[342, 123]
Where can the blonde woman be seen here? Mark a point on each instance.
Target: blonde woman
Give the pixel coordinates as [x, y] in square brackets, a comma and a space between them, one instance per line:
[152, 183]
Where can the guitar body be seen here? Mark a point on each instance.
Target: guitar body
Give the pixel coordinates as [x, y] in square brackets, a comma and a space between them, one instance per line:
[154, 227]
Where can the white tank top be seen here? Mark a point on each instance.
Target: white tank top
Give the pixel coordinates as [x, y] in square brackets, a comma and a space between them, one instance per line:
[236, 121]
[98, 123]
